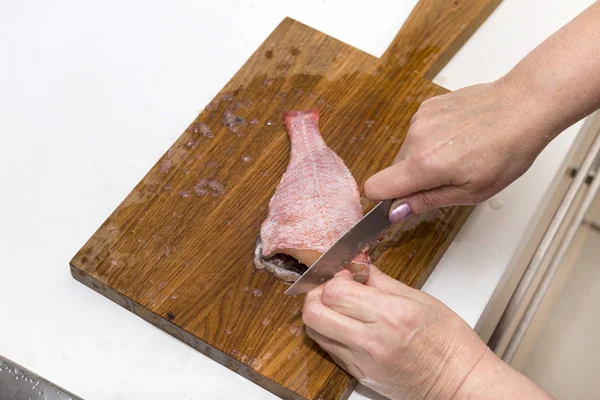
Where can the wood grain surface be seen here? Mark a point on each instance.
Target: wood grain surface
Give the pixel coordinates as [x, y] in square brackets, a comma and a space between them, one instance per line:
[179, 253]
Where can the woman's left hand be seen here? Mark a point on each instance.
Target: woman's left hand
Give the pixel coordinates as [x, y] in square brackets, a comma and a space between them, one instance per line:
[396, 340]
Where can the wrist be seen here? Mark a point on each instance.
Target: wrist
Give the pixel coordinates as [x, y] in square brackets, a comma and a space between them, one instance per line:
[477, 381]
[462, 363]
[538, 110]
[492, 378]
[537, 120]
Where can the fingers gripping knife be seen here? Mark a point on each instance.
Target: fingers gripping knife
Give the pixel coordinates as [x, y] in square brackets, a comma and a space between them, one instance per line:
[359, 237]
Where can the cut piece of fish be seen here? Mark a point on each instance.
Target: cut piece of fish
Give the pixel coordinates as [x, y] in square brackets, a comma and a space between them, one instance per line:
[315, 203]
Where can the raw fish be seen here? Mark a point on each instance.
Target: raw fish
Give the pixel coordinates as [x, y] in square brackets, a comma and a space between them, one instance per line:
[316, 202]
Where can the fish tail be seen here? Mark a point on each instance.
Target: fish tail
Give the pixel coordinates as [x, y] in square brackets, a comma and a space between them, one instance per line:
[290, 116]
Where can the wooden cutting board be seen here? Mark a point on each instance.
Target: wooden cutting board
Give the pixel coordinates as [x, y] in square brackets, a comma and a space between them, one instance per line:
[182, 258]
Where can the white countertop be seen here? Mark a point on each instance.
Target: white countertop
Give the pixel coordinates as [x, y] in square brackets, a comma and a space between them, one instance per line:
[92, 94]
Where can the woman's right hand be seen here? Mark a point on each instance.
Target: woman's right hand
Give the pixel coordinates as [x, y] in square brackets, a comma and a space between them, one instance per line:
[464, 147]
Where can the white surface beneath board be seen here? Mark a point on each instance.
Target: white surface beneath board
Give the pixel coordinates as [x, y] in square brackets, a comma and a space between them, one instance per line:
[92, 93]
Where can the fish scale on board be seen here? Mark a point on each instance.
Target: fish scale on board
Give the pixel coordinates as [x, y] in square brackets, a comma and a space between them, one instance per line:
[204, 290]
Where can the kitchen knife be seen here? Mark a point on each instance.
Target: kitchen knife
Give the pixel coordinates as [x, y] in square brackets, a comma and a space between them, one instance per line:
[359, 237]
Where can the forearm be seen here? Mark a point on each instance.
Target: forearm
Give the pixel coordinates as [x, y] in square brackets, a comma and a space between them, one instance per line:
[560, 79]
[492, 379]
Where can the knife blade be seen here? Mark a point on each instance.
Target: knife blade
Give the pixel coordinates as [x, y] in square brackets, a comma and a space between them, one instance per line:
[360, 236]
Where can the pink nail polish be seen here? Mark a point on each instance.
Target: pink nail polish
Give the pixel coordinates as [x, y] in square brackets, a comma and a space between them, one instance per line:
[400, 213]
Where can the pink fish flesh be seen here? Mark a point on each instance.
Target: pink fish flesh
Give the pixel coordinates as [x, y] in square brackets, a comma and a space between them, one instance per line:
[315, 203]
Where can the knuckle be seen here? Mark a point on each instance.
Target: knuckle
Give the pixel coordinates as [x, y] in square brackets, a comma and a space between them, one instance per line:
[437, 98]
[374, 348]
[462, 176]
[414, 119]
[479, 189]
[311, 333]
[406, 316]
[332, 291]
[313, 297]
[310, 313]
[393, 313]
[419, 117]
[423, 104]
[425, 201]
[419, 125]
[428, 102]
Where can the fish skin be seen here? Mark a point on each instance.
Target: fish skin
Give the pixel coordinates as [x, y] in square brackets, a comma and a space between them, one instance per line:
[316, 202]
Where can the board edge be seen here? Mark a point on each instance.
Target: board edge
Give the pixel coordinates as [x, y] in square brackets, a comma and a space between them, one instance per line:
[182, 335]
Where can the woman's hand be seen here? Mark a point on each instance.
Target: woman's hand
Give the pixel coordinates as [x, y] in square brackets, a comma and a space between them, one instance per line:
[405, 344]
[394, 339]
[464, 147]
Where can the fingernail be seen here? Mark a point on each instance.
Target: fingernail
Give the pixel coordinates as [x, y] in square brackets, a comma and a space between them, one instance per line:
[400, 213]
